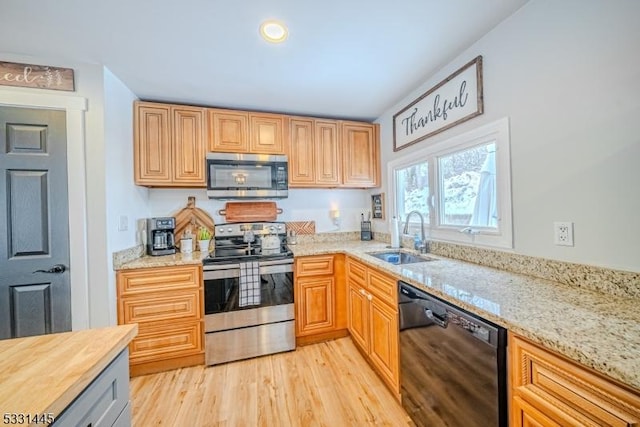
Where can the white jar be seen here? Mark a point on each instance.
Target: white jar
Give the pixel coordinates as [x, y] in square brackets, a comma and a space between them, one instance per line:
[186, 246]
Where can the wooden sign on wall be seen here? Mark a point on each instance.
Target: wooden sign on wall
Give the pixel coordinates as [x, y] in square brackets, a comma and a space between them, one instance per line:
[452, 101]
[36, 76]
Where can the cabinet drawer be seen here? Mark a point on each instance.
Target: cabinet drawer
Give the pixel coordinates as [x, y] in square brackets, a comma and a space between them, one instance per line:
[314, 266]
[567, 391]
[383, 286]
[145, 280]
[104, 400]
[162, 341]
[183, 305]
[356, 272]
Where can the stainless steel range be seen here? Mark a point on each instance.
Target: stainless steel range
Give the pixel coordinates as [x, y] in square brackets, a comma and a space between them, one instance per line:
[248, 292]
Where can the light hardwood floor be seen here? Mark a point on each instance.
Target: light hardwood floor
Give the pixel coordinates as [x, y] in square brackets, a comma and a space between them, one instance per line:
[326, 384]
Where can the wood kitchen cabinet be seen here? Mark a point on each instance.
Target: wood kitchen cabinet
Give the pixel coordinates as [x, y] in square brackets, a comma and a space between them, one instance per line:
[333, 153]
[320, 299]
[314, 156]
[360, 154]
[549, 390]
[373, 319]
[167, 305]
[169, 145]
[233, 131]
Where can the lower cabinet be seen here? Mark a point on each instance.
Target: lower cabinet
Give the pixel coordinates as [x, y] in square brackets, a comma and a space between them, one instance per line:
[320, 300]
[167, 305]
[105, 402]
[549, 390]
[373, 319]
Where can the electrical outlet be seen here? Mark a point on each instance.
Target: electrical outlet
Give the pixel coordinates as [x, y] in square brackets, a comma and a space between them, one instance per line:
[563, 233]
[123, 224]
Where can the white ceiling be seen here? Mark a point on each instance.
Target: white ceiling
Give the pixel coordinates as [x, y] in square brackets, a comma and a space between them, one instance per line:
[343, 58]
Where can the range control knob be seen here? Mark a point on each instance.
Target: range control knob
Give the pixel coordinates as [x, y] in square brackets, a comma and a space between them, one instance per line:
[229, 229]
[220, 230]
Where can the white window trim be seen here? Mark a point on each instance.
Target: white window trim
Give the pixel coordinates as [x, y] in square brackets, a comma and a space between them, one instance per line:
[497, 131]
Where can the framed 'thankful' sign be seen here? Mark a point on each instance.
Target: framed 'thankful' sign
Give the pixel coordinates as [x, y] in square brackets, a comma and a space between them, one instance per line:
[452, 101]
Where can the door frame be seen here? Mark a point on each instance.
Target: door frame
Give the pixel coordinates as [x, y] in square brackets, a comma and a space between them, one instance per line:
[74, 106]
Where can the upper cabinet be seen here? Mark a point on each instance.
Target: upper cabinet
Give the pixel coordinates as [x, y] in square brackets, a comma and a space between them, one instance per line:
[228, 131]
[330, 153]
[360, 154]
[169, 145]
[314, 159]
[171, 142]
[266, 133]
[242, 132]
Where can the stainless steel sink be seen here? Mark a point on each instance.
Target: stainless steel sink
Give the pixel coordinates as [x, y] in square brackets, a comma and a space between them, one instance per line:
[399, 257]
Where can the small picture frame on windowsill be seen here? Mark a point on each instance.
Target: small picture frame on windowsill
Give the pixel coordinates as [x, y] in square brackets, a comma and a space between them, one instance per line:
[377, 206]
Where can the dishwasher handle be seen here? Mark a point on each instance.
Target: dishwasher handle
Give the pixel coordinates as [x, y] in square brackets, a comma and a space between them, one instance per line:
[441, 321]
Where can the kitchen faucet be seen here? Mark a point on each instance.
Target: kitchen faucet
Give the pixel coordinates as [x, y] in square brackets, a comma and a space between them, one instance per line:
[422, 246]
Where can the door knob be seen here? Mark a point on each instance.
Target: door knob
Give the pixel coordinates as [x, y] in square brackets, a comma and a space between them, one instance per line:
[56, 269]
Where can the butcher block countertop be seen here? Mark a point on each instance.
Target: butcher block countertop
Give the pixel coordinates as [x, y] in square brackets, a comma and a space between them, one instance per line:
[44, 374]
[597, 330]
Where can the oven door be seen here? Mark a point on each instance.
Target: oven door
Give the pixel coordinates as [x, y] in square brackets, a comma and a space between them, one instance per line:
[235, 176]
[222, 286]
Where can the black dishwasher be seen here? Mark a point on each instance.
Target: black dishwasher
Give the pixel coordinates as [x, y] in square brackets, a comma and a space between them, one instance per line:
[452, 363]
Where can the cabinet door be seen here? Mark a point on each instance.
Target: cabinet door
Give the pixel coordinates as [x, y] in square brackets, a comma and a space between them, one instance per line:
[228, 131]
[188, 146]
[358, 316]
[525, 415]
[360, 156]
[384, 342]
[301, 153]
[315, 304]
[327, 155]
[152, 144]
[266, 133]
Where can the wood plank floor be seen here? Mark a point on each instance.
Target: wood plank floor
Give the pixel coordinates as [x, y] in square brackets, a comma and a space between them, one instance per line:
[326, 384]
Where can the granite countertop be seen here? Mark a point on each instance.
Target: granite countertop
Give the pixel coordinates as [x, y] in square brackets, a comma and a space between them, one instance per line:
[597, 330]
[148, 261]
[44, 374]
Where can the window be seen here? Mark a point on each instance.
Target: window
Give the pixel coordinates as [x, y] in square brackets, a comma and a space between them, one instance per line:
[461, 186]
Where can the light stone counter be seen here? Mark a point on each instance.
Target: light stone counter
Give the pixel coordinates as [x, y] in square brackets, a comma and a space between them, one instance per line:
[147, 261]
[597, 330]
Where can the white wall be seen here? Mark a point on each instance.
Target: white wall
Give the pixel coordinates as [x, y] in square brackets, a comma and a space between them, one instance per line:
[567, 74]
[301, 205]
[123, 198]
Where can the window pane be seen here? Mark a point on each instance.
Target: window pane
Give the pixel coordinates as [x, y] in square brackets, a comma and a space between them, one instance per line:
[413, 191]
[468, 187]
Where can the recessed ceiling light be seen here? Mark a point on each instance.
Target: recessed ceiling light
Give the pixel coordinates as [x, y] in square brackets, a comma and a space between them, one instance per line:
[273, 31]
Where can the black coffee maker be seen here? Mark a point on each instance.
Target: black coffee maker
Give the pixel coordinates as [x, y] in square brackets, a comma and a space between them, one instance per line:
[160, 236]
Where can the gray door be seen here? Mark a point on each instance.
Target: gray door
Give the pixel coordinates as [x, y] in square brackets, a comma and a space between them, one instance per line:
[35, 296]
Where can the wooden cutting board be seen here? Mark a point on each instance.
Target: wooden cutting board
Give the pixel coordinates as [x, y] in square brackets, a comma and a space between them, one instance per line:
[194, 217]
[250, 211]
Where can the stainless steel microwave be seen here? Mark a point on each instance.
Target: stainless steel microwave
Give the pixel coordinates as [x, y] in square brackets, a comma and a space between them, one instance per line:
[247, 176]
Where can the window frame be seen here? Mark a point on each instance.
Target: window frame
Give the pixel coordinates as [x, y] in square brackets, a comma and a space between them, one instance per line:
[498, 132]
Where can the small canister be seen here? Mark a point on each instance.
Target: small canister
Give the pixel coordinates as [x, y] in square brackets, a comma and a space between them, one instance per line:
[186, 245]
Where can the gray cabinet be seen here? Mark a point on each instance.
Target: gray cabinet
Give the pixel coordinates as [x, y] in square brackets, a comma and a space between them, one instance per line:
[105, 402]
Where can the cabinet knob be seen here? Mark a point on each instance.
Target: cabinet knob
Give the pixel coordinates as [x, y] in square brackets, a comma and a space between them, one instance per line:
[362, 292]
[369, 297]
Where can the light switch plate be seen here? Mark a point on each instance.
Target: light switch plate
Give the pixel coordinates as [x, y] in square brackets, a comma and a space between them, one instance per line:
[123, 223]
